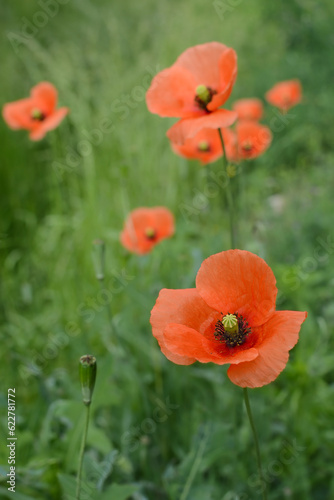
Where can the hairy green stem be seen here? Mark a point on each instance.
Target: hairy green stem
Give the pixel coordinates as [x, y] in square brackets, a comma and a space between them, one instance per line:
[257, 448]
[229, 196]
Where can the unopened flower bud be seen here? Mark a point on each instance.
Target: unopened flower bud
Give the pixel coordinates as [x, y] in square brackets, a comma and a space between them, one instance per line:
[87, 372]
[98, 256]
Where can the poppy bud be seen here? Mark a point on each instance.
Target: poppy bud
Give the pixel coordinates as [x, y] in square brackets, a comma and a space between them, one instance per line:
[230, 322]
[203, 93]
[87, 372]
[98, 253]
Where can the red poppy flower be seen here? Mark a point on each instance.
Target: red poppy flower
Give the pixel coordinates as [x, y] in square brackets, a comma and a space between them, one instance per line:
[36, 113]
[250, 140]
[193, 89]
[145, 227]
[248, 109]
[229, 317]
[204, 146]
[285, 95]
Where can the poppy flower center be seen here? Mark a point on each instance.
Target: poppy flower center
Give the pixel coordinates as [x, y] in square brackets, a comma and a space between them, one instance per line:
[247, 146]
[36, 114]
[203, 146]
[233, 330]
[150, 233]
[204, 95]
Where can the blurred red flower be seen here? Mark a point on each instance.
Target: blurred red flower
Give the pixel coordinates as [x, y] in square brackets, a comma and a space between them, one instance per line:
[204, 146]
[248, 109]
[249, 140]
[145, 227]
[230, 317]
[193, 88]
[36, 113]
[285, 95]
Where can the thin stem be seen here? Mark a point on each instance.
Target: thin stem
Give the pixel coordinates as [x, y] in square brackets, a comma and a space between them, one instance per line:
[257, 448]
[230, 203]
[82, 451]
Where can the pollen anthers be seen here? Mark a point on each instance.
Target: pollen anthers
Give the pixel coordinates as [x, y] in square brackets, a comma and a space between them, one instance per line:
[232, 329]
[204, 95]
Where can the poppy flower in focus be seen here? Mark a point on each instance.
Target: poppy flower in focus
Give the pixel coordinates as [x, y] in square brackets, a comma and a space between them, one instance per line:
[248, 109]
[285, 95]
[36, 113]
[193, 88]
[145, 227]
[229, 318]
[250, 141]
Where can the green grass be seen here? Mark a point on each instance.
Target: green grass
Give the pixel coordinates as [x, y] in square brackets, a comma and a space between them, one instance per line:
[52, 309]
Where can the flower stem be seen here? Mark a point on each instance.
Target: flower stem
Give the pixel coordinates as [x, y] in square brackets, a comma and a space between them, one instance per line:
[82, 450]
[257, 448]
[229, 196]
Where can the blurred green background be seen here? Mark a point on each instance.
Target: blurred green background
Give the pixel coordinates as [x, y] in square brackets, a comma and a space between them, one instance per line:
[159, 431]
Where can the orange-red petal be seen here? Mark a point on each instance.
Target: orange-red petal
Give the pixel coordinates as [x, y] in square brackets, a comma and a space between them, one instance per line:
[45, 97]
[187, 128]
[238, 281]
[279, 335]
[249, 109]
[184, 341]
[17, 114]
[172, 93]
[213, 65]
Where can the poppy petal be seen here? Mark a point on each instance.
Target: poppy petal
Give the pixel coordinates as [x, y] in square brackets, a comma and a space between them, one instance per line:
[280, 334]
[187, 128]
[164, 220]
[185, 307]
[249, 108]
[185, 341]
[211, 64]
[172, 93]
[50, 123]
[228, 73]
[45, 96]
[238, 281]
[17, 114]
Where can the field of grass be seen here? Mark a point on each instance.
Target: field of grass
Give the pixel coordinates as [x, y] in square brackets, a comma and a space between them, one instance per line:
[159, 431]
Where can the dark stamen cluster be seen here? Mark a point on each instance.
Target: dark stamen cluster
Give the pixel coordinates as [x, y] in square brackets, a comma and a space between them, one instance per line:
[233, 339]
[202, 104]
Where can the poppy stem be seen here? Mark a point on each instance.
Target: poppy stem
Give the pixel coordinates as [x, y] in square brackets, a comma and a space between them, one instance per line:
[257, 447]
[82, 451]
[230, 204]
